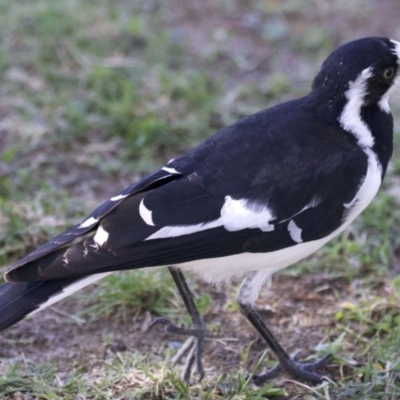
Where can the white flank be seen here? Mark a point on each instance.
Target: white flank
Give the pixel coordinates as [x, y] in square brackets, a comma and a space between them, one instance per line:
[101, 236]
[294, 232]
[170, 170]
[119, 197]
[89, 222]
[350, 119]
[237, 215]
[145, 213]
[78, 285]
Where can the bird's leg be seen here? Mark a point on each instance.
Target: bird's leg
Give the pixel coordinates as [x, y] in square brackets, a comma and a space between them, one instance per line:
[304, 371]
[195, 344]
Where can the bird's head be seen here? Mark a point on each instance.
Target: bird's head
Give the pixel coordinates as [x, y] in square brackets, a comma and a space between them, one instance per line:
[363, 72]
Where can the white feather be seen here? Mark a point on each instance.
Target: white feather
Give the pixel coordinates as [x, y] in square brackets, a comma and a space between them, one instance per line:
[146, 214]
[101, 236]
[173, 231]
[251, 286]
[89, 222]
[119, 197]
[237, 215]
[294, 232]
[170, 170]
[350, 118]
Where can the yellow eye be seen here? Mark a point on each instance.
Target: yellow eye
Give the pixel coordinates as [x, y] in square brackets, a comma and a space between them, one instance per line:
[388, 73]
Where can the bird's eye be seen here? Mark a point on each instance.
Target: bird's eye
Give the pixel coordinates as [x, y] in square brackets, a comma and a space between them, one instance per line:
[388, 73]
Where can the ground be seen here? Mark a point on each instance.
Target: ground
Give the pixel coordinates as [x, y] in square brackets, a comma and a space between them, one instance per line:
[96, 94]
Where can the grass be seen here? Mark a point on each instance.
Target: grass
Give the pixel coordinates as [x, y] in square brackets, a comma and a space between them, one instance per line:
[122, 382]
[95, 94]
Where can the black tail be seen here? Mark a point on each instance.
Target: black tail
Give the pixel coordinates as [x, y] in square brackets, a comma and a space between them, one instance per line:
[17, 300]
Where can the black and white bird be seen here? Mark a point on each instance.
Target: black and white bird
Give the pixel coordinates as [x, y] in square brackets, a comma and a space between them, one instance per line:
[256, 197]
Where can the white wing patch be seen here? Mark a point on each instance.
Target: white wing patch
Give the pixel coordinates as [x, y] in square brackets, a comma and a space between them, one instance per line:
[89, 222]
[350, 118]
[237, 215]
[101, 236]
[146, 214]
[294, 232]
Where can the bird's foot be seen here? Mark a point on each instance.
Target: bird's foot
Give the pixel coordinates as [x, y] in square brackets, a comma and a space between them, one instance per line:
[192, 348]
[303, 371]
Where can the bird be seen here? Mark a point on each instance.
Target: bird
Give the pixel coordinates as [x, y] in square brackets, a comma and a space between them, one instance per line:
[257, 196]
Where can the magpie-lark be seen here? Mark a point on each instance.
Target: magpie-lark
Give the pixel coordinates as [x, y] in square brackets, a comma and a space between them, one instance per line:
[254, 198]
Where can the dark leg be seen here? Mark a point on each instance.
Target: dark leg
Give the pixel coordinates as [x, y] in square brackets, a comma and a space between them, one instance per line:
[286, 363]
[195, 343]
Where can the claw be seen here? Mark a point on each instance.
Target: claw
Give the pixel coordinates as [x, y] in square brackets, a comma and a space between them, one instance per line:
[316, 364]
[182, 351]
[193, 346]
[159, 321]
[298, 369]
[173, 329]
[260, 379]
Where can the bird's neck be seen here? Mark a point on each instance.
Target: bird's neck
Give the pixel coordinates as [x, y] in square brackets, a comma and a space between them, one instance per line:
[371, 126]
[380, 124]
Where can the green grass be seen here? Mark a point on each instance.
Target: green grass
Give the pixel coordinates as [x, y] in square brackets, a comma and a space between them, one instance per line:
[119, 294]
[121, 382]
[94, 94]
